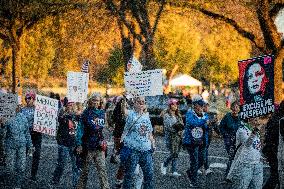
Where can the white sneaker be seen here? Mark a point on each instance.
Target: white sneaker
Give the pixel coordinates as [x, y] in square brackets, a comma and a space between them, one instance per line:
[199, 172]
[176, 174]
[208, 171]
[163, 169]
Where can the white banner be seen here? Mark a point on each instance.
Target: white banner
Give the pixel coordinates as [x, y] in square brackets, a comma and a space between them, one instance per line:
[8, 105]
[45, 117]
[145, 83]
[134, 65]
[77, 86]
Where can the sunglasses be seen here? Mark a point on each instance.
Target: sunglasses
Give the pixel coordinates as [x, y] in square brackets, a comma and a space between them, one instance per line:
[140, 102]
[28, 98]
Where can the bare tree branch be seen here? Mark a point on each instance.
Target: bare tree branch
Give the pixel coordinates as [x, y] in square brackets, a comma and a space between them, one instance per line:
[4, 37]
[275, 9]
[159, 13]
[227, 20]
[271, 36]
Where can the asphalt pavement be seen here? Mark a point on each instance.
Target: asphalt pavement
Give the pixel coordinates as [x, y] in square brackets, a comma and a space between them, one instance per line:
[217, 160]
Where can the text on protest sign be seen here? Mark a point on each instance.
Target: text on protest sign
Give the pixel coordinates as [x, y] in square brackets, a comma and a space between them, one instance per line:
[8, 105]
[256, 84]
[145, 83]
[77, 86]
[45, 116]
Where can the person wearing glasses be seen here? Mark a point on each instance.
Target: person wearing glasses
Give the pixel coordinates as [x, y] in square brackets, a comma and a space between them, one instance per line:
[36, 137]
[138, 144]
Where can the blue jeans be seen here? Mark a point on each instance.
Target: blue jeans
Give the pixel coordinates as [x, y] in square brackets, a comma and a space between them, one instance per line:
[196, 159]
[16, 165]
[203, 157]
[230, 146]
[172, 159]
[145, 160]
[63, 153]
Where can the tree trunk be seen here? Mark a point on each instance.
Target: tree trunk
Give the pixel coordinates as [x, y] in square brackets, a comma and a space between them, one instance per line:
[278, 76]
[147, 56]
[16, 69]
[127, 50]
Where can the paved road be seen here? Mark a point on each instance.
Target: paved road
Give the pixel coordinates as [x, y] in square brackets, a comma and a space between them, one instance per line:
[217, 159]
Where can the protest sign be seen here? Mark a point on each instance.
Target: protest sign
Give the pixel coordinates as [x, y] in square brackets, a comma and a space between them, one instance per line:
[133, 65]
[77, 86]
[256, 84]
[8, 105]
[45, 116]
[145, 83]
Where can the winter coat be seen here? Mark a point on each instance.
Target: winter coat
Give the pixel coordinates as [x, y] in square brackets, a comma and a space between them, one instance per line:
[195, 127]
[17, 132]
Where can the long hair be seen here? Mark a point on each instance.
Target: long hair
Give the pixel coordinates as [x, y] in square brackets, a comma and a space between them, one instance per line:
[247, 96]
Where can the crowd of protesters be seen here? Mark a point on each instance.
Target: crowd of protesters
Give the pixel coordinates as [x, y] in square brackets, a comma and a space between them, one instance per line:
[80, 137]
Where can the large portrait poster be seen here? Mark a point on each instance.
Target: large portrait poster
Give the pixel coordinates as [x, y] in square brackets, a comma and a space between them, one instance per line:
[145, 83]
[8, 105]
[45, 117]
[256, 84]
[77, 86]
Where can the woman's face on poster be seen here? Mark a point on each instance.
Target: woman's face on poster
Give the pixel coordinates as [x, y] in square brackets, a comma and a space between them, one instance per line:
[255, 78]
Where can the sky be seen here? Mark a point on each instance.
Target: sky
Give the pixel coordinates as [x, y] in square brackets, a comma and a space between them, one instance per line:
[279, 21]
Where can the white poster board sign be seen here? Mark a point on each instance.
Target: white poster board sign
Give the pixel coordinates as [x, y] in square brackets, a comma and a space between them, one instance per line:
[145, 83]
[45, 117]
[134, 65]
[8, 105]
[77, 86]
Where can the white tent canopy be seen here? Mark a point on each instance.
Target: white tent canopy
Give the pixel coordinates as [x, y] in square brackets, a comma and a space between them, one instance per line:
[185, 80]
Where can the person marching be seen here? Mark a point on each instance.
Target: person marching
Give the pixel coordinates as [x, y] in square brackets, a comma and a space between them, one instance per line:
[92, 141]
[247, 168]
[138, 145]
[194, 137]
[228, 129]
[18, 145]
[119, 122]
[36, 137]
[66, 140]
[174, 126]
[212, 116]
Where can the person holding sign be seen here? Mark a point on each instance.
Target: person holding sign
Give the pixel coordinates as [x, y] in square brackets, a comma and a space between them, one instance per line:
[92, 141]
[66, 140]
[29, 111]
[138, 145]
[17, 144]
[195, 137]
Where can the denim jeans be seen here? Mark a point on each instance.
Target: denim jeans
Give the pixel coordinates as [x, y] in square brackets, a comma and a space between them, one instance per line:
[172, 159]
[145, 160]
[195, 154]
[203, 157]
[63, 153]
[230, 146]
[36, 140]
[16, 165]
